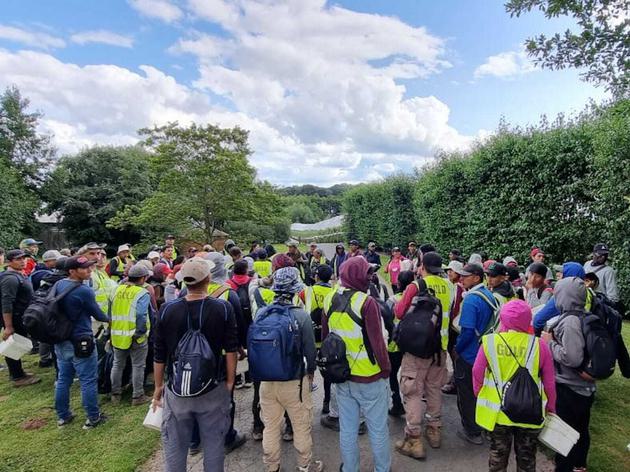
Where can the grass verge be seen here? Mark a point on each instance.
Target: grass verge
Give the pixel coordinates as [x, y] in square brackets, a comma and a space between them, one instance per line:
[120, 445]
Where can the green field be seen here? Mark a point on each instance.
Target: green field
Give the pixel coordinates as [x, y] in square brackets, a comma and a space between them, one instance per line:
[119, 445]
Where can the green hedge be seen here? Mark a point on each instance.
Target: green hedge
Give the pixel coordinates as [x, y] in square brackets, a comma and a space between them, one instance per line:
[562, 187]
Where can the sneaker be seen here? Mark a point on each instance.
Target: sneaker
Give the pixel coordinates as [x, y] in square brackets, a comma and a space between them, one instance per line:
[239, 384]
[257, 433]
[329, 422]
[28, 379]
[325, 408]
[140, 400]
[248, 384]
[115, 399]
[473, 439]
[239, 440]
[66, 422]
[314, 466]
[194, 450]
[288, 434]
[45, 364]
[91, 424]
[449, 389]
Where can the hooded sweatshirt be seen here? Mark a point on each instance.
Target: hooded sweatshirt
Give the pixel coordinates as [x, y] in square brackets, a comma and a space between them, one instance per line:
[568, 344]
[355, 275]
[569, 269]
[516, 315]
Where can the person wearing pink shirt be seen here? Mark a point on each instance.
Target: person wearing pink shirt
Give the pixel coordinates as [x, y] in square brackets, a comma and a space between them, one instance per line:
[394, 268]
[497, 361]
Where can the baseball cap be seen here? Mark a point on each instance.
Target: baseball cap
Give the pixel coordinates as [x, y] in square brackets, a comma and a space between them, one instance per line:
[455, 266]
[354, 242]
[78, 262]
[536, 251]
[51, 255]
[90, 247]
[601, 249]
[432, 262]
[313, 244]
[169, 236]
[124, 247]
[14, 254]
[472, 269]
[292, 244]
[538, 268]
[394, 249]
[509, 260]
[153, 255]
[29, 242]
[496, 269]
[195, 270]
[372, 244]
[139, 270]
[412, 243]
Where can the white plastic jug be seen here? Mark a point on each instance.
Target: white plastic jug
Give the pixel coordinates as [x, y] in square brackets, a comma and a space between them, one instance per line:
[153, 420]
[558, 435]
[15, 347]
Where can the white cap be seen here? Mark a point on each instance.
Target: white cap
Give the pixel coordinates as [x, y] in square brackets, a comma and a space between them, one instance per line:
[124, 247]
[195, 270]
[153, 255]
[456, 266]
[51, 255]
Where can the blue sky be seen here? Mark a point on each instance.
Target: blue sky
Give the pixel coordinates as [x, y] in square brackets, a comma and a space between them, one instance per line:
[331, 92]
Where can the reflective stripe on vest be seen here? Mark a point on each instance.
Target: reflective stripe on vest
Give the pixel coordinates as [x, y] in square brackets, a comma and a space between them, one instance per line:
[526, 347]
[443, 291]
[262, 268]
[340, 323]
[123, 310]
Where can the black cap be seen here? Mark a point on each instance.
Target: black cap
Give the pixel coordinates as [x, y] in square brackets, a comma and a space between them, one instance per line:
[169, 236]
[496, 269]
[601, 249]
[396, 249]
[354, 242]
[324, 272]
[78, 262]
[472, 269]
[432, 262]
[538, 268]
[14, 254]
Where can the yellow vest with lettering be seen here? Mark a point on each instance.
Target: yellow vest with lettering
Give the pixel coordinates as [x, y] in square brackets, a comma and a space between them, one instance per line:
[340, 323]
[123, 314]
[502, 364]
[444, 292]
[262, 268]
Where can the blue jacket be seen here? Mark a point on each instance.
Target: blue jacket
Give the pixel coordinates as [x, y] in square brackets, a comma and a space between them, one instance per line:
[476, 313]
[80, 307]
[569, 269]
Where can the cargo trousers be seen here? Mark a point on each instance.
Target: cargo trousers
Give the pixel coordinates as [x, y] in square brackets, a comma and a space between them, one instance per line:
[525, 442]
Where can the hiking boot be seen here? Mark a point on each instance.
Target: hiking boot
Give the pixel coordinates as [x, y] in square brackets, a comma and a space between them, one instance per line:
[45, 364]
[411, 446]
[434, 436]
[91, 424]
[472, 439]
[314, 466]
[238, 441]
[326, 408]
[329, 422]
[115, 399]
[257, 433]
[140, 400]
[288, 434]
[28, 379]
[66, 422]
[396, 410]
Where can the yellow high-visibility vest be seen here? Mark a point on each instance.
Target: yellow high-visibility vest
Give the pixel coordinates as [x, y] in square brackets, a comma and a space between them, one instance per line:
[503, 365]
[262, 268]
[340, 323]
[392, 346]
[123, 310]
[444, 292]
[214, 287]
[314, 297]
[104, 289]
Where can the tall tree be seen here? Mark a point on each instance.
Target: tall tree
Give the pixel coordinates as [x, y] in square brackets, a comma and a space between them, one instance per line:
[89, 188]
[205, 179]
[600, 44]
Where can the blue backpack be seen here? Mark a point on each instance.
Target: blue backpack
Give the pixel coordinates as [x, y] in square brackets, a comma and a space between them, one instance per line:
[194, 368]
[274, 345]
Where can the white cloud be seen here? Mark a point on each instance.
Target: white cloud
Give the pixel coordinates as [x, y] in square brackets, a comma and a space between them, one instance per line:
[505, 65]
[103, 37]
[161, 9]
[30, 38]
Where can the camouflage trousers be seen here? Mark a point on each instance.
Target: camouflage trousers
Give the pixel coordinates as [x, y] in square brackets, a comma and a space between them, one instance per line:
[525, 441]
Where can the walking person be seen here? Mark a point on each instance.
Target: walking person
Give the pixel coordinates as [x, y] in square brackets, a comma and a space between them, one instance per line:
[207, 402]
[502, 353]
[366, 391]
[16, 293]
[77, 356]
[292, 395]
[130, 327]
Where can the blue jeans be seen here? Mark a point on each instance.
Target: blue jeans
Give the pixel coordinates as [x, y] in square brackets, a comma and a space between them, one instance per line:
[372, 400]
[86, 370]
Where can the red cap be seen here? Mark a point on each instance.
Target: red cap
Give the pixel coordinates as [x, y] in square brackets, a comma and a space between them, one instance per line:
[535, 252]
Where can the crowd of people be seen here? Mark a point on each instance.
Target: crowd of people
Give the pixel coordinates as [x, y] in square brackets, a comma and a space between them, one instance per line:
[190, 318]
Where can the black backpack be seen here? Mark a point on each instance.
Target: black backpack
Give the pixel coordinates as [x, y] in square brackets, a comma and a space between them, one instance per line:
[418, 333]
[521, 400]
[243, 295]
[44, 320]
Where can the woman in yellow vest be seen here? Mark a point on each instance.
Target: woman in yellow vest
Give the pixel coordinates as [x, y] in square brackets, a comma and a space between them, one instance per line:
[501, 355]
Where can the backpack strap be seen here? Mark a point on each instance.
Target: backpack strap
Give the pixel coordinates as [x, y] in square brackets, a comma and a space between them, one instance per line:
[349, 310]
[260, 302]
[220, 291]
[493, 306]
[55, 297]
